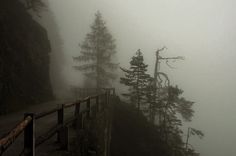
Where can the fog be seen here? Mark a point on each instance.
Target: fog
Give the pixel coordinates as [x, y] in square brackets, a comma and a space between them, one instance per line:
[203, 31]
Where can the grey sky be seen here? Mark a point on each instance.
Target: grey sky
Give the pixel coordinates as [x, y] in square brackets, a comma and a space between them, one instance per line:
[201, 30]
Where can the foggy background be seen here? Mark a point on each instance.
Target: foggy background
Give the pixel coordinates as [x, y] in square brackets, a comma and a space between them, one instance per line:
[203, 31]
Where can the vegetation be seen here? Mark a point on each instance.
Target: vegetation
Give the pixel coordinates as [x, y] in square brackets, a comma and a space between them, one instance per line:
[162, 103]
[97, 53]
[136, 79]
[133, 135]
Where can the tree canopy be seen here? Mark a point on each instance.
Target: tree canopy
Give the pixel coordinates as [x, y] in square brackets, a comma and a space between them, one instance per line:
[136, 79]
[97, 54]
[161, 102]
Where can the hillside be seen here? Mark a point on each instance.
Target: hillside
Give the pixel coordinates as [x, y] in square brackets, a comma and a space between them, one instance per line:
[132, 135]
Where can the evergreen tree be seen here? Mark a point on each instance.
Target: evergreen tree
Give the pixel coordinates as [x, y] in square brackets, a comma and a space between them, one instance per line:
[165, 104]
[174, 106]
[97, 52]
[136, 79]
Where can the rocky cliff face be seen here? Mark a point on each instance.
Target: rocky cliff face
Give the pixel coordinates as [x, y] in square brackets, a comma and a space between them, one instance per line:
[24, 58]
[57, 59]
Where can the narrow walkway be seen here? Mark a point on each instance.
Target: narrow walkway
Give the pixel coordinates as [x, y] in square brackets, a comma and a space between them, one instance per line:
[7, 122]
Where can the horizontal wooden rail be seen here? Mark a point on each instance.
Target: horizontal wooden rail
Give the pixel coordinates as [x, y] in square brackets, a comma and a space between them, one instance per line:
[85, 99]
[10, 138]
[95, 96]
[43, 114]
[28, 124]
[68, 105]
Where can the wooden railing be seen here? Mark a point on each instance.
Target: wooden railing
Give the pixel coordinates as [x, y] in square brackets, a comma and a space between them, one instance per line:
[61, 128]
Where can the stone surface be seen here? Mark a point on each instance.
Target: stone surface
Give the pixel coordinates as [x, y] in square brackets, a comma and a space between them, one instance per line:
[24, 58]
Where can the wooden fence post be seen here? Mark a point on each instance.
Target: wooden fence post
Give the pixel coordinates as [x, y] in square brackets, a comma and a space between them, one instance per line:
[97, 104]
[107, 97]
[78, 116]
[62, 135]
[104, 101]
[94, 108]
[60, 114]
[29, 136]
[60, 120]
[88, 108]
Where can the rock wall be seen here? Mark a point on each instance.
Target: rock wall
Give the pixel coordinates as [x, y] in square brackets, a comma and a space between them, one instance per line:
[57, 59]
[24, 58]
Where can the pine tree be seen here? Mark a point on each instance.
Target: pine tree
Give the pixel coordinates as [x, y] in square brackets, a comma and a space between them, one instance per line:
[97, 52]
[174, 106]
[136, 79]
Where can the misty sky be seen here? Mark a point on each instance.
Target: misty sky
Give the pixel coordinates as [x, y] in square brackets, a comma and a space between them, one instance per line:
[203, 31]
